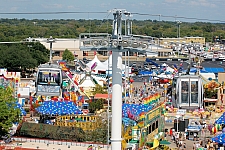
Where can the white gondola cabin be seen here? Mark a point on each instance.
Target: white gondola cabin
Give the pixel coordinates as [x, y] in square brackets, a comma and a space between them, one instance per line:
[189, 92]
[49, 80]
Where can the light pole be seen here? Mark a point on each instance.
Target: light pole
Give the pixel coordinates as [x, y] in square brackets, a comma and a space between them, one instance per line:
[177, 117]
[50, 40]
[127, 32]
[178, 36]
[108, 103]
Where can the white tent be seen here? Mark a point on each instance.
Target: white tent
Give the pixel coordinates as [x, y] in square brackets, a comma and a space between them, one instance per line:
[164, 76]
[208, 75]
[169, 69]
[164, 65]
[87, 83]
[99, 67]
[108, 62]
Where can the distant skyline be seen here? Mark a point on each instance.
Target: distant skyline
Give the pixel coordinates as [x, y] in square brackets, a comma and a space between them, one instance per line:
[167, 10]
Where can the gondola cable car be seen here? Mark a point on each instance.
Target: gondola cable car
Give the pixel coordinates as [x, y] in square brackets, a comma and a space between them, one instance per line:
[49, 80]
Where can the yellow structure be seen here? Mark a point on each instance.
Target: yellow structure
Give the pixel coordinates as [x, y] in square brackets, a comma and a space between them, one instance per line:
[81, 121]
[150, 128]
[155, 144]
[184, 40]
[200, 40]
[221, 90]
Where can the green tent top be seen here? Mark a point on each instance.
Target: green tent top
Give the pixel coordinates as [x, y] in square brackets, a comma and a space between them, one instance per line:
[134, 141]
[163, 142]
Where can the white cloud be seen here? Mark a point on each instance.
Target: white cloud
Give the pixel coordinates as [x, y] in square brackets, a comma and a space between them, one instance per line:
[103, 5]
[204, 3]
[13, 9]
[171, 1]
[70, 7]
[52, 6]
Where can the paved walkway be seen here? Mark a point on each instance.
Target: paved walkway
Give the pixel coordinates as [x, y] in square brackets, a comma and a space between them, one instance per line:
[50, 144]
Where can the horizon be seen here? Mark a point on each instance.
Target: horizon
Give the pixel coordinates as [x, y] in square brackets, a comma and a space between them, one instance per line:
[92, 19]
[166, 10]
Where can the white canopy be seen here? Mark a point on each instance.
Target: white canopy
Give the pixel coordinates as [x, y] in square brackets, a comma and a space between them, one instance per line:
[87, 83]
[108, 62]
[164, 65]
[164, 76]
[100, 66]
[169, 69]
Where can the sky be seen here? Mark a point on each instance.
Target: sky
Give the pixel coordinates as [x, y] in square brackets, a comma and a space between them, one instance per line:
[167, 10]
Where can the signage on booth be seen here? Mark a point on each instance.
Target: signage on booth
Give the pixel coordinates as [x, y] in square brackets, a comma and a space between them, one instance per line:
[181, 111]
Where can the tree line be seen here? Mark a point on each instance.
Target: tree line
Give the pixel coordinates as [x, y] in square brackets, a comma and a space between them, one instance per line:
[17, 29]
[30, 55]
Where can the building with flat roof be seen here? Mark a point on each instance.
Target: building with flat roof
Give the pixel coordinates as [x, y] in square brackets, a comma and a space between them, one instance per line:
[60, 45]
[184, 40]
[73, 45]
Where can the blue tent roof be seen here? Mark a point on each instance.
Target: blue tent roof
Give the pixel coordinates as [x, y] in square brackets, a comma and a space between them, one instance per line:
[23, 112]
[194, 70]
[150, 61]
[142, 72]
[128, 121]
[57, 107]
[214, 70]
[134, 110]
[219, 138]
[221, 119]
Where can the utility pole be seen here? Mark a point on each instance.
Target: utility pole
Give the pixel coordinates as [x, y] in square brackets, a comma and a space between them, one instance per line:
[50, 40]
[127, 33]
[190, 62]
[178, 36]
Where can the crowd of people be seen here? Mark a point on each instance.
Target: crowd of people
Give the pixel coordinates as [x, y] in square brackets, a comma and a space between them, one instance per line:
[138, 93]
[182, 142]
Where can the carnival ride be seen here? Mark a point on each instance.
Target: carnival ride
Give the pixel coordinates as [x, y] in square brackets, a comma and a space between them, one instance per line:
[146, 121]
[73, 80]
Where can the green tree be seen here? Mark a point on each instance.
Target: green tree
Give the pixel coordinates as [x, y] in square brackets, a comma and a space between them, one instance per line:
[22, 56]
[92, 107]
[99, 89]
[99, 104]
[68, 55]
[14, 56]
[8, 113]
[38, 52]
[99, 135]
[96, 105]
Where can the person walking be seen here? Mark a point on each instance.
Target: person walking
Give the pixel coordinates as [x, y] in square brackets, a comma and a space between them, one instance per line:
[194, 146]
